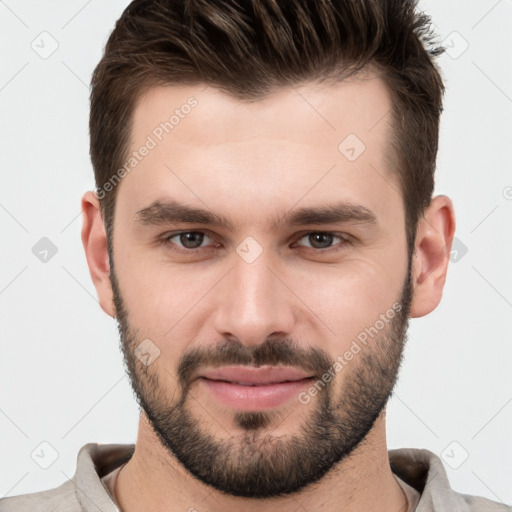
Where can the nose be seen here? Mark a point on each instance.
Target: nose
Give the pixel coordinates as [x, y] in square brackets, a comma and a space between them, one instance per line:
[253, 303]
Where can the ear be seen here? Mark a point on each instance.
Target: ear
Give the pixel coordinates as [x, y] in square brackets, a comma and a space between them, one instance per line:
[434, 237]
[94, 239]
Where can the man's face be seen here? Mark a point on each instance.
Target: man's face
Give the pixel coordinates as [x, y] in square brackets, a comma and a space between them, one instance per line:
[262, 291]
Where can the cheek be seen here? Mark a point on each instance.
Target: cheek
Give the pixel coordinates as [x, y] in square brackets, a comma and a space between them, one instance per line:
[351, 296]
[164, 302]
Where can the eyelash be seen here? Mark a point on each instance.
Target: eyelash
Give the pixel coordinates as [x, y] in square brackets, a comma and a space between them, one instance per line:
[344, 242]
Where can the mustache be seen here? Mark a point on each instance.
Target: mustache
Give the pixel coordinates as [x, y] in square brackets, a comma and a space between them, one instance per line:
[272, 352]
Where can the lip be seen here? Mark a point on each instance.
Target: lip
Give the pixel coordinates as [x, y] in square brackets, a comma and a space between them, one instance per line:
[254, 389]
[256, 376]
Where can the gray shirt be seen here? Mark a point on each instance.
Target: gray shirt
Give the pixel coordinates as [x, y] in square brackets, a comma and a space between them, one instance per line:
[416, 470]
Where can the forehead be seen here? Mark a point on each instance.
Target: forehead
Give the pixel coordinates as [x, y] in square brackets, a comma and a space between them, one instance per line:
[355, 105]
[307, 144]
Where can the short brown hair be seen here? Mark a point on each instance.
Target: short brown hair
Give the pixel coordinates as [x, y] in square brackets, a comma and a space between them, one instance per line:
[248, 48]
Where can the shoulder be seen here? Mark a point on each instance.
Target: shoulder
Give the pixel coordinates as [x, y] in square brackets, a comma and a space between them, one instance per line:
[59, 499]
[424, 471]
[85, 491]
[479, 504]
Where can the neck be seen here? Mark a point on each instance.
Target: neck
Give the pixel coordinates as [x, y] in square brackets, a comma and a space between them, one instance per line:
[153, 480]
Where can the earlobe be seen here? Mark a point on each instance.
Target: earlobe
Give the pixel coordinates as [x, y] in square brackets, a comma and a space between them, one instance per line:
[94, 240]
[434, 238]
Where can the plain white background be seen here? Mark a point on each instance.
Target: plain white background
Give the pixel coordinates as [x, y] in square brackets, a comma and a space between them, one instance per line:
[62, 378]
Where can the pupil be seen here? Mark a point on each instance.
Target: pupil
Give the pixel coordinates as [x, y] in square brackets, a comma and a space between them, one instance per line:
[324, 240]
[191, 240]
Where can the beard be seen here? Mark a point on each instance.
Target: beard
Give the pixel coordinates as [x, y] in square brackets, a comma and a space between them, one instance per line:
[251, 462]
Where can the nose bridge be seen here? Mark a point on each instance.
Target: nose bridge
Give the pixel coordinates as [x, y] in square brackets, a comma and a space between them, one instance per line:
[254, 303]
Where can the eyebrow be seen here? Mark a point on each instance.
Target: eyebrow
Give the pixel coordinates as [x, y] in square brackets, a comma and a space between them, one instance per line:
[170, 211]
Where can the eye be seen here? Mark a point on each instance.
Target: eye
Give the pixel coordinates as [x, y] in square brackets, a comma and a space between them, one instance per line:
[187, 240]
[323, 240]
[193, 241]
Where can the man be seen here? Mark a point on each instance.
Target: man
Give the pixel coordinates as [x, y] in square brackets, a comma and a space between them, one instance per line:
[263, 228]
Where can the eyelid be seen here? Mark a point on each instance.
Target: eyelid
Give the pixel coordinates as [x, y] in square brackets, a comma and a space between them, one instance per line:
[344, 237]
[345, 240]
[166, 239]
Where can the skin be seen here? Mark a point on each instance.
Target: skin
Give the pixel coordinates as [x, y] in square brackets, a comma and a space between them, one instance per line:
[251, 163]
